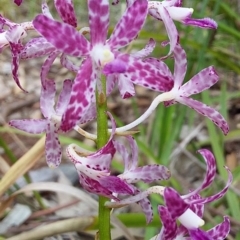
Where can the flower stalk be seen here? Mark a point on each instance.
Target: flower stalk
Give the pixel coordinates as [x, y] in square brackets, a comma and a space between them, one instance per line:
[102, 138]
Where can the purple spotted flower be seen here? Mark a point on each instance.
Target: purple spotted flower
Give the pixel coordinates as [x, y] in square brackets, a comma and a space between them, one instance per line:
[51, 123]
[133, 174]
[187, 209]
[181, 93]
[11, 35]
[169, 10]
[94, 170]
[200, 82]
[101, 55]
[95, 175]
[39, 46]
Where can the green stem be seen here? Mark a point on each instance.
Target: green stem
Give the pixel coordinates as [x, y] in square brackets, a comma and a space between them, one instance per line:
[102, 138]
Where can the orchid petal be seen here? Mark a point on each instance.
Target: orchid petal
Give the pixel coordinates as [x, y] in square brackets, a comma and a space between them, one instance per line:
[198, 234]
[52, 146]
[198, 208]
[207, 111]
[200, 82]
[132, 164]
[65, 10]
[180, 66]
[111, 81]
[37, 47]
[202, 23]
[147, 209]
[220, 231]
[98, 20]
[93, 164]
[121, 149]
[134, 16]
[160, 12]
[147, 174]
[81, 96]
[90, 114]
[94, 186]
[210, 174]
[65, 62]
[30, 125]
[144, 73]
[171, 3]
[16, 49]
[126, 86]
[47, 65]
[47, 99]
[174, 203]
[61, 35]
[179, 13]
[147, 50]
[64, 97]
[169, 230]
[217, 195]
[116, 185]
[45, 9]
[15, 33]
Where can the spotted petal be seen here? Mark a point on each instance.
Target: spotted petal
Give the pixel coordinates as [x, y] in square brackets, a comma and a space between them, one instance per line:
[207, 111]
[180, 66]
[174, 203]
[220, 231]
[37, 47]
[65, 10]
[30, 125]
[200, 82]
[47, 99]
[210, 174]
[61, 35]
[134, 16]
[47, 65]
[146, 51]
[46, 10]
[68, 63]
[52, 146]
[64, 97]
[169, 229]
[141, 72]
[158, 11]
[16, 48]
[147, 209]
[125, 86]
[217, 195]
[198, 234]
[147, 174]
[81, 96]
[98, 20]
[202, 23]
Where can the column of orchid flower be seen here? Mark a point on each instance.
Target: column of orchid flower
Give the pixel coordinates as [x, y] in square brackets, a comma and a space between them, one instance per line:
[104, 66]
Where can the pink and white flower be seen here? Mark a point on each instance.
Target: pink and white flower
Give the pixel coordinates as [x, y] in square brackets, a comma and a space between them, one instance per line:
[52, 120]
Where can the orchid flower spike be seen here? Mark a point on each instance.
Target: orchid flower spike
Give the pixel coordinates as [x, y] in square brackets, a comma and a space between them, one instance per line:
[181, 94]
[101, 55]
[52, 120]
